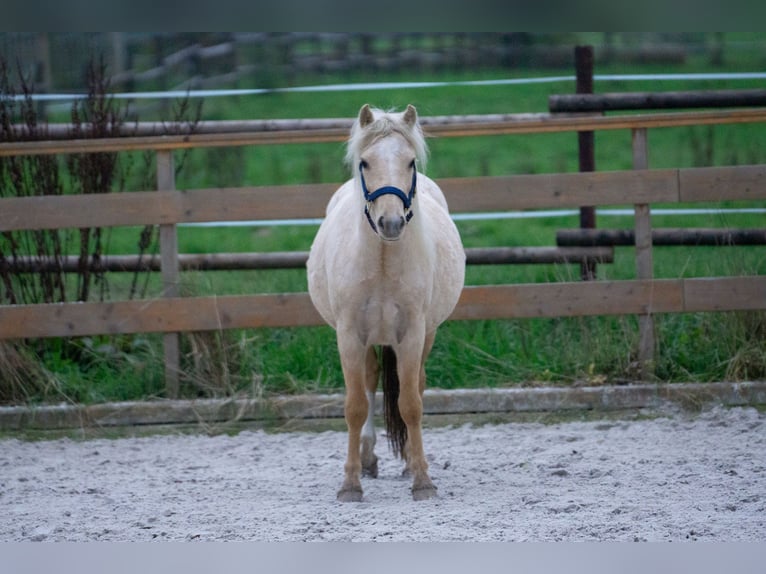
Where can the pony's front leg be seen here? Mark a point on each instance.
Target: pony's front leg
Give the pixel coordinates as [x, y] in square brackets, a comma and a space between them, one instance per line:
[369, 459]
[411, 385]
[429, 343]
[352, 355]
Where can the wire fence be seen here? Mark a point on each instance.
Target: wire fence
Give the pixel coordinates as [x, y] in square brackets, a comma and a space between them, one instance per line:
[375, 86]
[158, 61]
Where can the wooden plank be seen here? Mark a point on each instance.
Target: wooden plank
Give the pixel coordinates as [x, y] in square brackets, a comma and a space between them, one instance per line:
[60, 131]
[473, 126]
[165, 207]
[661, 237]
[294, 260]
[256, 203]
[478, 194]
[173, 142]
[725, 293]
[722, 183]
[72, 211]
[506, 193]
[534, 255]
[655, 100]
[612, 298]
[568, 299]
[161, 315]
[309, 201]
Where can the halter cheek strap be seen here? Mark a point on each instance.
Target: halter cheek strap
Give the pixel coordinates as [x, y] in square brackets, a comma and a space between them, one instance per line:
[388, 189]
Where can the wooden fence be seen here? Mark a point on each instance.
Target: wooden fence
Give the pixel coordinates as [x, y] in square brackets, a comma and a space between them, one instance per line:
[167, 207]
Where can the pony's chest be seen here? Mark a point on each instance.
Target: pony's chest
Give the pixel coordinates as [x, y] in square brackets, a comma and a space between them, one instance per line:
[383, 320]
[381, 297]
[381, 313]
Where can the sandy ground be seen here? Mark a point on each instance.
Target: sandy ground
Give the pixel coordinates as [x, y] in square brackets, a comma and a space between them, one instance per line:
[679, 477]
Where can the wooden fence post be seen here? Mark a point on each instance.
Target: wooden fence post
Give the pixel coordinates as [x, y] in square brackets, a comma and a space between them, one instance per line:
[644, 258]
[170, 273]
[586, 145]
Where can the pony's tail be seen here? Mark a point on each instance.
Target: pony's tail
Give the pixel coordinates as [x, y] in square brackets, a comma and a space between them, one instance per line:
[395, 427]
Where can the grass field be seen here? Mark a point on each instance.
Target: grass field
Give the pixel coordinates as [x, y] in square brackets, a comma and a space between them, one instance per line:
[696, 347]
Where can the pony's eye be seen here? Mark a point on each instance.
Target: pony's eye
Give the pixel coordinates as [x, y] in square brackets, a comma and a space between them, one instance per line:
[412, 164]
[363, 164]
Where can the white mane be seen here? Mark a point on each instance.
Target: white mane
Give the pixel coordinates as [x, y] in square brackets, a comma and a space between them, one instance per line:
[385, 124]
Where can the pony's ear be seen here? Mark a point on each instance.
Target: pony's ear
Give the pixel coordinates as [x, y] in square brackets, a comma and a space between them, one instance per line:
[365, 116]
[410, 116]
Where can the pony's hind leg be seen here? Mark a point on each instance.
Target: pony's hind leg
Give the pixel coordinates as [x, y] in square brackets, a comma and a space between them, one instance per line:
[369, 459]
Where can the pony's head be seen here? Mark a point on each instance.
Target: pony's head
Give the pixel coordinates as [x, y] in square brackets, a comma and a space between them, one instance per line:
[385, 151]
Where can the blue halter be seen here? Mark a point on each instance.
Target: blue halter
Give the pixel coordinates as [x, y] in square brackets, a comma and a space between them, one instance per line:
[388, 189]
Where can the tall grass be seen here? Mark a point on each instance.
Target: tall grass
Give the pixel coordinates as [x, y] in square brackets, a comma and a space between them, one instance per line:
[591, 350]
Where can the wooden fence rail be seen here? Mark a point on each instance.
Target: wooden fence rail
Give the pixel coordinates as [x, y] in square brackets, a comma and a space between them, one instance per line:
[535, 300]
[167, 207]
[471, 194]
[655, 100]
[307, 131]
[289, 260]
[684, 236]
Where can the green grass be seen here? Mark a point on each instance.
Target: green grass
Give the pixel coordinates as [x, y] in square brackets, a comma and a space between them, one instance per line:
[698, 347]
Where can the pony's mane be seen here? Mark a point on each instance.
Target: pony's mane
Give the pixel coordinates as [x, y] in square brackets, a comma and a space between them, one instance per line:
[384, 124]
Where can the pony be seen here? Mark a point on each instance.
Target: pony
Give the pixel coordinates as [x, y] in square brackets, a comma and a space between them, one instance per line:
[385, 269]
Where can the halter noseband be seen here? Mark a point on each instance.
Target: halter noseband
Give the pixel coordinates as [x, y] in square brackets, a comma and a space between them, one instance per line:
[388, 189]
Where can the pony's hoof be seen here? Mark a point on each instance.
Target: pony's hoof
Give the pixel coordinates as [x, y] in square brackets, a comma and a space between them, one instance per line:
[423, 493]
[371, 470]
[353, 494]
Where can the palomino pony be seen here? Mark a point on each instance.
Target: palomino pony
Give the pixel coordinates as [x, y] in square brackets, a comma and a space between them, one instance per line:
[385, 270]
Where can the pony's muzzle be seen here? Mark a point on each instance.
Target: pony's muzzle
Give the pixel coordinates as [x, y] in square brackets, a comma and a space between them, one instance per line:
[391, 227]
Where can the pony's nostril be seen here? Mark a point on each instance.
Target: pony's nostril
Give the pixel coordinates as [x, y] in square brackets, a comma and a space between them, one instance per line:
[381, 223]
